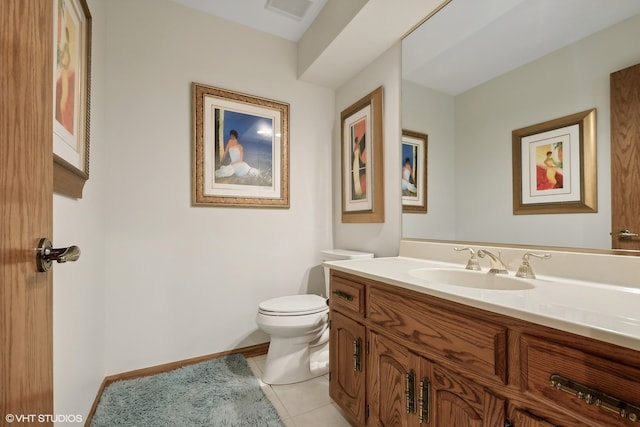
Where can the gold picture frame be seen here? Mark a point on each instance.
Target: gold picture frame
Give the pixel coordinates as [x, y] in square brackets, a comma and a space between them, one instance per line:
[240, 149]
[362, 160]
[554, 166]
[71, 96]
[414, 171]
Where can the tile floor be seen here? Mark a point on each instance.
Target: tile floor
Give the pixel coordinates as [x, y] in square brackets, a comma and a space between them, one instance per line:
[304, 404]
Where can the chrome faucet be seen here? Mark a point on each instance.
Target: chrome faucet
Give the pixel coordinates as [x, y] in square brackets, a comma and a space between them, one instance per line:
[497, 266]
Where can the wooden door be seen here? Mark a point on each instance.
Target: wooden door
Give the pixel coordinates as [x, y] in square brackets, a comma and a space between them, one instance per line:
[347, 366]
[26, 172]
[625, 157]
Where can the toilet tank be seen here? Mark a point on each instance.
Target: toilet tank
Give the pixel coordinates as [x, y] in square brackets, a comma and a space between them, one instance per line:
[339, 254]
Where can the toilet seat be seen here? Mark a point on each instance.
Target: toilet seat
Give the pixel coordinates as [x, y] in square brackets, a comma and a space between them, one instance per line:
[293, 305]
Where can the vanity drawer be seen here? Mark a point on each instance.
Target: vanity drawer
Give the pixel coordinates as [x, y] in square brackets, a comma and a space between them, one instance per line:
[577, 371]
[476, 345]
[346, 294]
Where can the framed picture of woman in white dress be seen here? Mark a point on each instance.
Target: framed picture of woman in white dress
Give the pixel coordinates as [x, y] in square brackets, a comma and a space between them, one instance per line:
[414, 171]
[241, 154]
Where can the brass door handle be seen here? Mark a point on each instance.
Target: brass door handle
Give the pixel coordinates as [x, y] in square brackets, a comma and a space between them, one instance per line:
[423, 403]
[626, 234]
[410, 392]
[590, 396]
[46, 254]
[357, 355]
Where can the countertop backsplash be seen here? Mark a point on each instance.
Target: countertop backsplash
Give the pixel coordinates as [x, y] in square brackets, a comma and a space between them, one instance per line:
[592, 266]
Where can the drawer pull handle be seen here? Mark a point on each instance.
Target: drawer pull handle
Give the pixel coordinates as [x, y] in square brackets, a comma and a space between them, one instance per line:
[357, 355]
[423, 403]
[594, 397]
[410, 391]
[343, 295]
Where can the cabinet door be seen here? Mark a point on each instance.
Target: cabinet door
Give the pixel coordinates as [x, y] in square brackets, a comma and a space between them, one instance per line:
[346, 364]
[390, 381]
[524, 419]
[458, 401]
[397, 380]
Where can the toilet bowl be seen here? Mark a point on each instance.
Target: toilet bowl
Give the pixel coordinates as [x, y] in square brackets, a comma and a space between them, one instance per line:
[298, 326]
[295, 323]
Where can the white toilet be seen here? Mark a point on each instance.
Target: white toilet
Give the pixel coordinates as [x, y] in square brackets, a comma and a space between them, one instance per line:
[299, 329]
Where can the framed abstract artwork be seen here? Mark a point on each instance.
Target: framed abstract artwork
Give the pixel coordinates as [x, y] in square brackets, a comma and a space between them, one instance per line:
[554, 166]
[240, 149]
[71, 96]
[362, 160]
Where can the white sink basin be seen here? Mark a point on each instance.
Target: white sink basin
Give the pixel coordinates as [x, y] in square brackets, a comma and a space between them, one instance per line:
[471, 279]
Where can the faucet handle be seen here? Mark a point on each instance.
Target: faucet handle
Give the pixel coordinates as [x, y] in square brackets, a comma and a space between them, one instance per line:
[525, 271]
[473, 263]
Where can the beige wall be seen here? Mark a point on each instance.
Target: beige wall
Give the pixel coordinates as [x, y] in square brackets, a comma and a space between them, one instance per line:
[185, 281]
[79, 288]
[160, 280]
[382, 239]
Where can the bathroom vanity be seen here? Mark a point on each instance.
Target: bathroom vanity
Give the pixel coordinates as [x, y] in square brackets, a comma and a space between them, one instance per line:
[408, 351]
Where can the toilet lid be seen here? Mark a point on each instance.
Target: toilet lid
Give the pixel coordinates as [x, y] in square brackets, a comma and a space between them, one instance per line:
[294, 305]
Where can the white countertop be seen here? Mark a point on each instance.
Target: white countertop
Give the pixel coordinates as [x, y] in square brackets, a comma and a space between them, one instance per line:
[571, 305]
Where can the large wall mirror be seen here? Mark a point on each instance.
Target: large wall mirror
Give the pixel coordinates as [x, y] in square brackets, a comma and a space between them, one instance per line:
[476, 71]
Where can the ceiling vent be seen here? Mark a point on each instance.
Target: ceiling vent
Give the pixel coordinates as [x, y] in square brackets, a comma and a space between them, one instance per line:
[294, 9]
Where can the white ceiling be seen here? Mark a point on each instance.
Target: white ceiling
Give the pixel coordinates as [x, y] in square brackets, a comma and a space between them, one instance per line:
[254, 14]
[469, 42]
[466, 43]
[344, 29]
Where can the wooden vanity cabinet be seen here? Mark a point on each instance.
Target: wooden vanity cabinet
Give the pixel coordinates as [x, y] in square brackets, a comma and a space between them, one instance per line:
[347, 377]
[347, 341]
[403, 358]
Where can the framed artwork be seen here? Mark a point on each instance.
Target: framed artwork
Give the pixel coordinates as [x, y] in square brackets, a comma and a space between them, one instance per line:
[362, 160]
[554, 166]
[414, 172]
[240, 149]
[71, 96]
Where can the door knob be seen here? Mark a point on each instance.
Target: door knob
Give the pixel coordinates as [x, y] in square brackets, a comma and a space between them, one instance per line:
[626, 235]
[46, 254]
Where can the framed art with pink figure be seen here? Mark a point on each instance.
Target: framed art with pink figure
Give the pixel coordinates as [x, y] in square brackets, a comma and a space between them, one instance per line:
[554, 166]
[71, 95]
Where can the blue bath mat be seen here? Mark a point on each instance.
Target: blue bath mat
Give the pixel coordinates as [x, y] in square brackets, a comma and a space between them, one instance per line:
[218, 392]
